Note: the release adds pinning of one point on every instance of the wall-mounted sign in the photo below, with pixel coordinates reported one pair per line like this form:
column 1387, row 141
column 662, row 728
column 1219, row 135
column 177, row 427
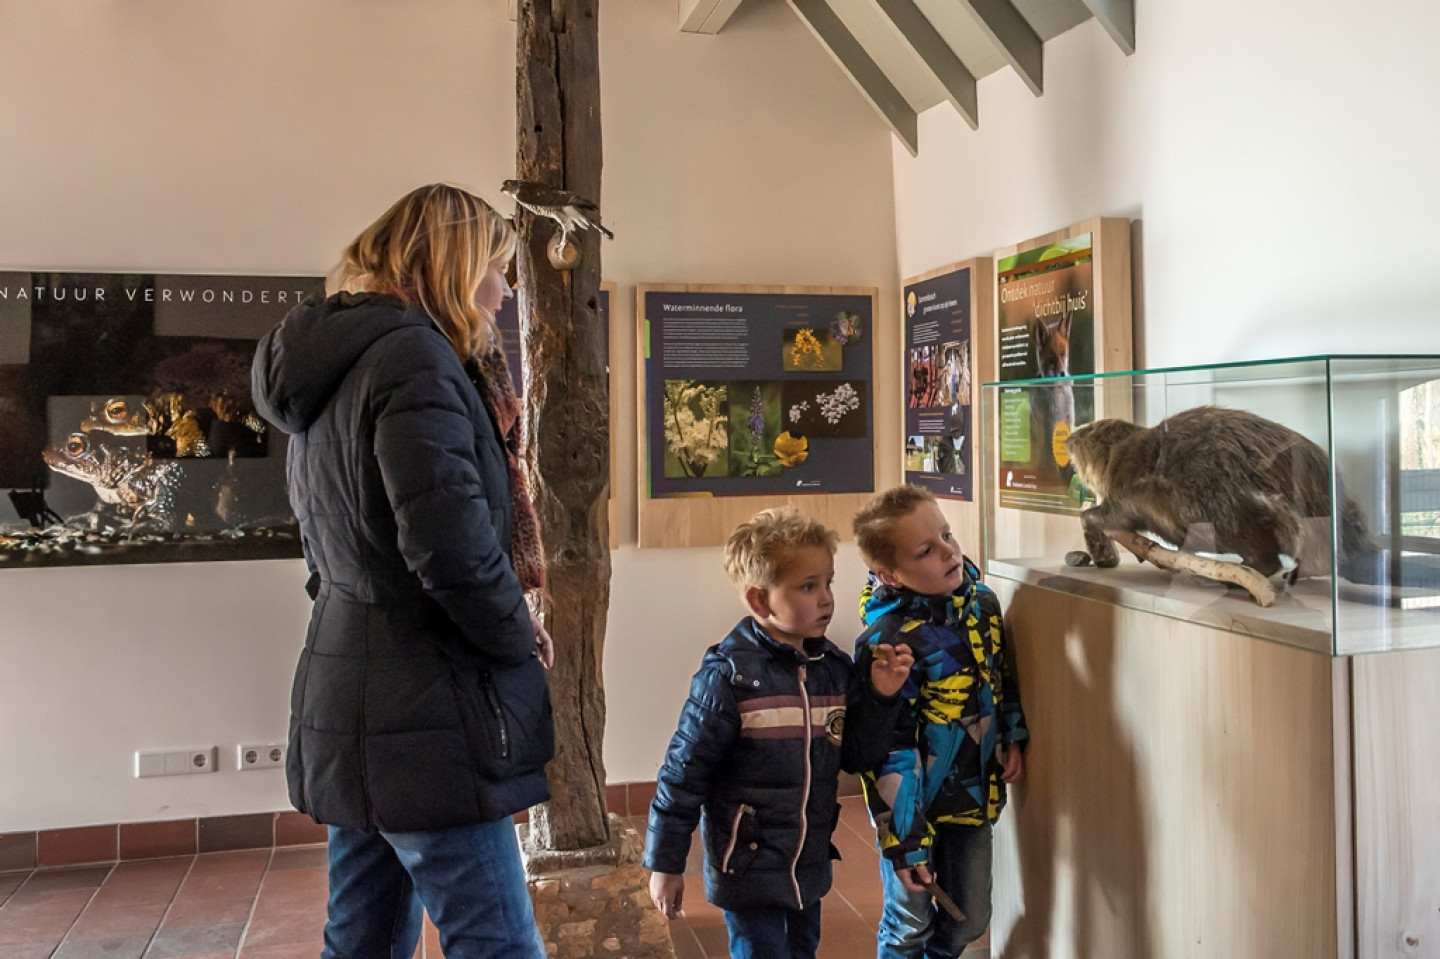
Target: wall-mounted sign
column 1062, row 305
column 752, row 392
column 507, row 321
column 127, row 431
column 938, row 369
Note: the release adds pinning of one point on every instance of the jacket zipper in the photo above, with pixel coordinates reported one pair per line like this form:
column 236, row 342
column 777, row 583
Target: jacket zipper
column 805, row 790
column 489, row 683
column 734, row 834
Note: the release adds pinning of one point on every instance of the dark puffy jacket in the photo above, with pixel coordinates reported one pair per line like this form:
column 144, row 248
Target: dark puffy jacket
column 761, row 774
column 419, row 702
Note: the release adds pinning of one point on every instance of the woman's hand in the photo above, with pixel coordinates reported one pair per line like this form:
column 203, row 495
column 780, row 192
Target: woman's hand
column 667, row 891
column 544, row 645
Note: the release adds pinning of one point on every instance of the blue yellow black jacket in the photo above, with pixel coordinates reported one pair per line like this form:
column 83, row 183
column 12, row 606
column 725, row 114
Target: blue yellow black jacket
column 962, row 701
column 756, row 760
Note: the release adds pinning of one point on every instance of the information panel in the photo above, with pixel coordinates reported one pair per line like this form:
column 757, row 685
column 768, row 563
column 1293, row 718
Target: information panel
column 129, row 433
column 938, row 384
column 1045, row 304
column 757, row 393
column 507, row 321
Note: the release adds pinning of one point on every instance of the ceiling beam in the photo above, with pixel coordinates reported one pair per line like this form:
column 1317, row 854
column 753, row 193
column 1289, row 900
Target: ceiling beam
column 866, row 74
column 1014, row 39
column 1118, row 19
column 939, row 59
column 706, row 16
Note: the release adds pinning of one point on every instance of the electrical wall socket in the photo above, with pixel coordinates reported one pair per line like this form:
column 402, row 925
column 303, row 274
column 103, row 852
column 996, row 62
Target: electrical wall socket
column 260, row 755
column 174, row 762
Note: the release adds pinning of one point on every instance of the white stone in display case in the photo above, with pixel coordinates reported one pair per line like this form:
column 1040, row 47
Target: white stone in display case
column 1240, row 479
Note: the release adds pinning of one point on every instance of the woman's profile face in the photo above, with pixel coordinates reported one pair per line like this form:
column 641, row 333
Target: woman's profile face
column 493, row 289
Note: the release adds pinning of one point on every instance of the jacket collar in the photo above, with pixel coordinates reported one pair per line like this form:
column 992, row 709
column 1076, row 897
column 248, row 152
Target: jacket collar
column 877, row 599
column 750, row 633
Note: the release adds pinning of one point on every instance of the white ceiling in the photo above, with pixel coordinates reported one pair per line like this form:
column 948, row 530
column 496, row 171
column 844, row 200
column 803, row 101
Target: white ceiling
column 906, row 56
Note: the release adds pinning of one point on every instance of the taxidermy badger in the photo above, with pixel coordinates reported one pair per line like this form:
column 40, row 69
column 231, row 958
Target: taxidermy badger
column 1221, row 481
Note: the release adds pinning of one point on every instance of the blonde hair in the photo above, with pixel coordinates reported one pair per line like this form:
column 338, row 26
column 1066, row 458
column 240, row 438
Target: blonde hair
column 874, row 525
column 758, row 549
column 432, row 248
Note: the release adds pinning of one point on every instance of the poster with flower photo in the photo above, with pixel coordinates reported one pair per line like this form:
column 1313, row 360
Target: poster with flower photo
column 750, row 393
column 938, row 370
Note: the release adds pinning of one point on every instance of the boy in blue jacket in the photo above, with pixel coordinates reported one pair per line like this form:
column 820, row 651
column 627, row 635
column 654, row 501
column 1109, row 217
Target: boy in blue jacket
column 761, row 741
column 935, row 798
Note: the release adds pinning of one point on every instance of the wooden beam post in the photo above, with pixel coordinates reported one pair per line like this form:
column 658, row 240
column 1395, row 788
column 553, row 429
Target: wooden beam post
column 1012, row 36
column 1118, row 19
column 864, row 71
column 567, row 402
column 939, row 58
column 706, row 16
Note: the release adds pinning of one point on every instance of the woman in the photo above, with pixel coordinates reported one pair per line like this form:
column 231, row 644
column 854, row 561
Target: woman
column 420, row 716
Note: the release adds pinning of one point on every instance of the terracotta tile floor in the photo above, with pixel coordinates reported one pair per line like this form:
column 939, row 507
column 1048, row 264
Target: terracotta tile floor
column 270, row 904
column 849, row 914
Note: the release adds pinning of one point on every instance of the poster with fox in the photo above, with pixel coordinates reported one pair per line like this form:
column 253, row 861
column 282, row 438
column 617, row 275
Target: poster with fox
column 1052, row 333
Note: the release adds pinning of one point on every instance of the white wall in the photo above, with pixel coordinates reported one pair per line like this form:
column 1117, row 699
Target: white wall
column 249, row 137
column 1280, row 158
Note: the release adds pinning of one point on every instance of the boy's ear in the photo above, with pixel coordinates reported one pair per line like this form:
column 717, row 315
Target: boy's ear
column 758, row 600
column 888, row 577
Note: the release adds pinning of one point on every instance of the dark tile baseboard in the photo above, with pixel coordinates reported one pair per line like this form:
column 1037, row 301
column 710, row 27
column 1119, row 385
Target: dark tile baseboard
column 186, row 837
column 155, row 840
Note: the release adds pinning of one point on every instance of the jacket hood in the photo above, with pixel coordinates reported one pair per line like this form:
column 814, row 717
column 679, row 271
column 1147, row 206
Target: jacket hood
column 300, row 364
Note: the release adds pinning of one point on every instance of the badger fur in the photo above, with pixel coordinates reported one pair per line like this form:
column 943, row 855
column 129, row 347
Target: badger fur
column 1223, row 481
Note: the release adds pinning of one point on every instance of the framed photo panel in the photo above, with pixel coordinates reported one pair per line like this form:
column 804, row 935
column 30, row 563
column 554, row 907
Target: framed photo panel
column 129, row 434
column 947, row 318
column 508, row 320
column 752, row 396
column 1062, row 308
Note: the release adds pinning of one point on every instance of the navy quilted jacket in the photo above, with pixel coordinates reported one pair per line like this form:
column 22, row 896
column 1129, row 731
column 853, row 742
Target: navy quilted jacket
column 418, row 703
column 756, row 760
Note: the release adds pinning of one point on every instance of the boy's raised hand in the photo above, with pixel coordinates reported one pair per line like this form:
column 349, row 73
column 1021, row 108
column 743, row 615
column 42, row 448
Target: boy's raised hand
column 890, row 668
column 667, row 890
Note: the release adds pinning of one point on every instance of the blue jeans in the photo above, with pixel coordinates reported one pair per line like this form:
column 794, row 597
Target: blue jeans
column 469, row 878
column 771, row 932
column 912, row 926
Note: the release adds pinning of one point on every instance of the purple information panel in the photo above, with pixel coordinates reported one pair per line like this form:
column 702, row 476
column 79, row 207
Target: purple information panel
column 507, row 320
column 938, row 385
column 754, row 393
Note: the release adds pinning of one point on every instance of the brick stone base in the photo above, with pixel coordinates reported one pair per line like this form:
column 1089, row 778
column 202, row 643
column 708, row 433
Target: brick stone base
column 596, row 902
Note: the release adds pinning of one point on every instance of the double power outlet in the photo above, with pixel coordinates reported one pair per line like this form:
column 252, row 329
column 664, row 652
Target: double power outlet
column 205, row 759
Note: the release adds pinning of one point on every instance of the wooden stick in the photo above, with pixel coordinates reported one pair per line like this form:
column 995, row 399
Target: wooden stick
column 1147, row 550
column 944, row 901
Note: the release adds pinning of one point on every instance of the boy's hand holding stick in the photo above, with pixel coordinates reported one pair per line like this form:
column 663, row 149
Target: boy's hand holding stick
column 919, row 879
column 890, row 667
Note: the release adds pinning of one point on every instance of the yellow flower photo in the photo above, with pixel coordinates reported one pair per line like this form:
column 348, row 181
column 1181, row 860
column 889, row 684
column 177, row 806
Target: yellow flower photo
column 792, row 450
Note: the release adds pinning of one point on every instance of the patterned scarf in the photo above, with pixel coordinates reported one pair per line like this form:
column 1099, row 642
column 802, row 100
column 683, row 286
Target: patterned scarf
column 498, row 392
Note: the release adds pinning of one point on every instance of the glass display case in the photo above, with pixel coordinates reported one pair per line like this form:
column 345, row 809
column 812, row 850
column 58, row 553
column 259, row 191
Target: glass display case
column 1225, row 478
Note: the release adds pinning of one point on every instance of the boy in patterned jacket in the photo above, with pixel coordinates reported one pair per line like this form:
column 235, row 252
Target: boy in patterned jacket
column 935, row 798
column 761, row 741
